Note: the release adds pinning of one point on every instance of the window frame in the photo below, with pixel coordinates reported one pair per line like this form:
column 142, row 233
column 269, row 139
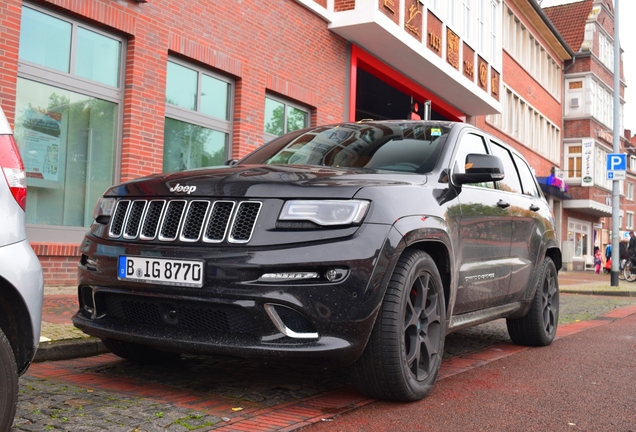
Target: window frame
column 69, row 81
column 286, row 103
column 196, row 117
column 574, row 157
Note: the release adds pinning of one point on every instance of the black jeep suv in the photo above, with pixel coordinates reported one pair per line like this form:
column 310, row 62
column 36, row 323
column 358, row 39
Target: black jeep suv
column 358, row 244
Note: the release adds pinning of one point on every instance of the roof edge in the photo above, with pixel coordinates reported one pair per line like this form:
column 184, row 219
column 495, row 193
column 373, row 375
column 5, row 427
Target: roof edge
column 556, row 41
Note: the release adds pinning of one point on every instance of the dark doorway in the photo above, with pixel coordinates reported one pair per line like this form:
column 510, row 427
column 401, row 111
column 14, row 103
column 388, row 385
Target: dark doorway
column 378, row 100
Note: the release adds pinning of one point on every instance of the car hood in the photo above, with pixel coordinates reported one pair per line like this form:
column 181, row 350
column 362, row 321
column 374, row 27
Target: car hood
column 264, row 181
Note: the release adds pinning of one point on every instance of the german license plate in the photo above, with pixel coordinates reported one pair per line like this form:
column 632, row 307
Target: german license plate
column 161, row 271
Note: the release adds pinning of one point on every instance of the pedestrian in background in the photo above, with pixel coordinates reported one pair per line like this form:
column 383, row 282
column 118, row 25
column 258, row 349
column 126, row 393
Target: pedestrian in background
column 597, row 261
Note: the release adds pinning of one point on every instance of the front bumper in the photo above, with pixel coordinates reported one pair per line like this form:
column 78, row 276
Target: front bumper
column 235, row 313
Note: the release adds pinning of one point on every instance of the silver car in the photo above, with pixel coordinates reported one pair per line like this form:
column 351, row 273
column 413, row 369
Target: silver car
column 21, row 280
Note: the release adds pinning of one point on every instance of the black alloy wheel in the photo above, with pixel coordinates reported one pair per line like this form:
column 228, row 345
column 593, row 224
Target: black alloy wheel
column 538, row 327
column 404, row 353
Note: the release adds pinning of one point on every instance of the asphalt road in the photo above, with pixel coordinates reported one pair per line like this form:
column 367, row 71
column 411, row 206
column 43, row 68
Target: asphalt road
column 569, row 382
column 584, row 382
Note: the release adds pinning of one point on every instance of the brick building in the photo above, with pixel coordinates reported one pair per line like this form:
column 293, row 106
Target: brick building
column 103, row 91
column 588, row 28
column 534, row 57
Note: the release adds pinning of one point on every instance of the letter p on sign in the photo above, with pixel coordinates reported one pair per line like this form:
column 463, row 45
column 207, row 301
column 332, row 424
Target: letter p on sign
column 616, row 162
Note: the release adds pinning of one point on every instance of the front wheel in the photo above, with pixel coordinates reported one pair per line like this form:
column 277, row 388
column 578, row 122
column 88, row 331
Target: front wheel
column 538, row 327
column 8, row 384
column 404, row 353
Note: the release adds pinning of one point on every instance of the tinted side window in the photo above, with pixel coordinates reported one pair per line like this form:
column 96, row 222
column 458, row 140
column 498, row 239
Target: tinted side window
column 470, row 143
column 528, row 182
column 511, row 182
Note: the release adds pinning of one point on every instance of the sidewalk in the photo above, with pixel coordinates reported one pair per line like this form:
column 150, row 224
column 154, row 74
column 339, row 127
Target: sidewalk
column 61, row 340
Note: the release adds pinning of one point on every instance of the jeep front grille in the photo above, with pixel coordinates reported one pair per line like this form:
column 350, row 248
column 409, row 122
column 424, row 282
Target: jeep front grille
column 185, row 220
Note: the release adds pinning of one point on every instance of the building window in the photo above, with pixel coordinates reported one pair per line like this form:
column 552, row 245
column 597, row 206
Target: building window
column 481, row 26
column 629, row 222
column 574, row 161
column 494, row 29
column 452, row 13
column 606, row 51
column 528, row 52
column 68, row 102
column 630, row 191
column 198, row 117
column 436, row 7
column 467, row 19
column 600, row 169
column 522, row 122
column 282, row 117
column 602, row 104
column 579, row 235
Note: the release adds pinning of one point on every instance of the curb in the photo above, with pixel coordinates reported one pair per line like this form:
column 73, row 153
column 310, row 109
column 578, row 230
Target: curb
column 69, row 349
column 609, row 293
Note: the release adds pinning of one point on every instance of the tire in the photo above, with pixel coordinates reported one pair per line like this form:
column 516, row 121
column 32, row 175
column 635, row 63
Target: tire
column 538, row 327
column 629, row 272
column 138, row 353
column 8, row 384
column 405, row 350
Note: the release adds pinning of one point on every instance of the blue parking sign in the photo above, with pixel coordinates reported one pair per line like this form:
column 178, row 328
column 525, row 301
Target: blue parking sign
column 616, row 162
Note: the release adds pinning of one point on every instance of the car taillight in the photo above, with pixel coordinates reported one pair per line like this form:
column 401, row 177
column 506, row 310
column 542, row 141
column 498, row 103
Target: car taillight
column 13, row 169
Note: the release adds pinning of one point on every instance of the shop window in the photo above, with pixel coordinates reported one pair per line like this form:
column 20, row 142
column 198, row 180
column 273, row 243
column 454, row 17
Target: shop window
column 68, row 106
column 282, row 117
column 52, row 42
column 198, row 112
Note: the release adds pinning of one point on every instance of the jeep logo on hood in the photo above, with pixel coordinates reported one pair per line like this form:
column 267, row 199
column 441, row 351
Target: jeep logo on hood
column 186, row 189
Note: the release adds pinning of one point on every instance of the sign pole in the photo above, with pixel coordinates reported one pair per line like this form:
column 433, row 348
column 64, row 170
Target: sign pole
column 616, row 149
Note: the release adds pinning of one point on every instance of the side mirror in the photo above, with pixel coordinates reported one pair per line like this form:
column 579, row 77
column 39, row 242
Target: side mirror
column 480, row 168
column 230, row 162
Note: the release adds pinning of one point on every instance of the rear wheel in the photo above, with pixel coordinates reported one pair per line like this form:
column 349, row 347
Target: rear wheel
column 621, row 273
column 404, row 353
column 8, row 384
column 137, row 352
column 629, row 272
column 538, row 327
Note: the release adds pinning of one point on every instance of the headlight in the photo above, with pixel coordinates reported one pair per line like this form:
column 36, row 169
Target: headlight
column 327, row 212
column 104, row 207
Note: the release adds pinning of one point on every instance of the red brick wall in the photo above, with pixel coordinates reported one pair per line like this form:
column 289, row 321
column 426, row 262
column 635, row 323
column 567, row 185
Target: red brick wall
column 344, row 5
column 243, row 40
column 301, row 60
column 10, row 12
column 59, row 263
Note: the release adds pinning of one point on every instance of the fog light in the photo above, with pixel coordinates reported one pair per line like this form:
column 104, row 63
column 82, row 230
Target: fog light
column 288, row 276
column 331, row 275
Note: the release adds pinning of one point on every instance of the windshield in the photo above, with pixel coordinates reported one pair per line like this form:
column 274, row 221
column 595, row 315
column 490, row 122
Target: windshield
column 405, row 147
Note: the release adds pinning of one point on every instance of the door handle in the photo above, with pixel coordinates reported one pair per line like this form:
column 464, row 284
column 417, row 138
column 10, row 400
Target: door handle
column 534, row 207
column 503, row 204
